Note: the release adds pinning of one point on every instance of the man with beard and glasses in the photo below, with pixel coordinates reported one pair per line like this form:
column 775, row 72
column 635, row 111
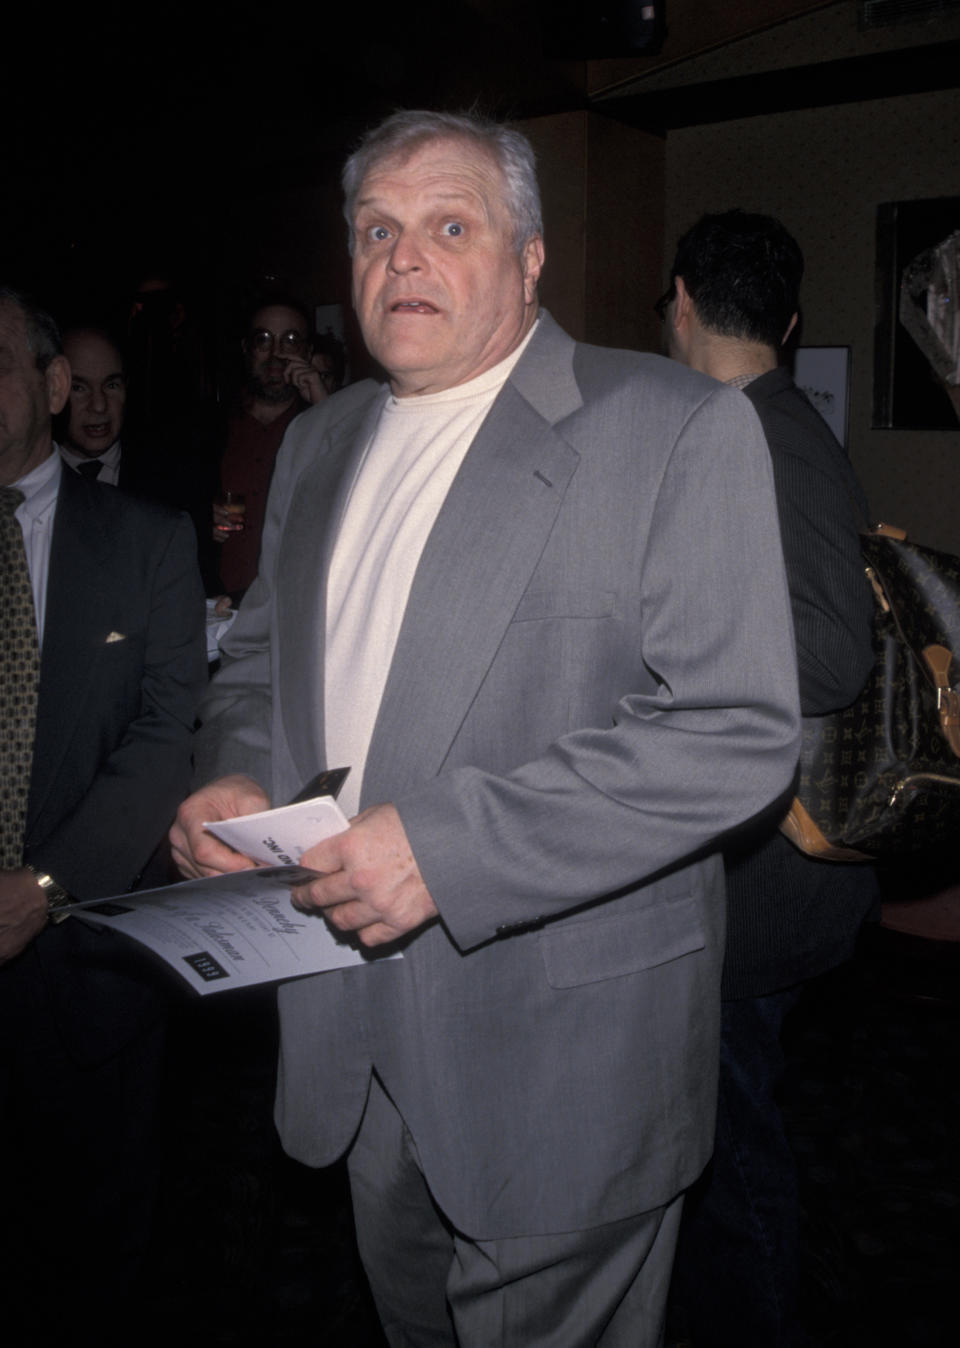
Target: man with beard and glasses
column 279, row 382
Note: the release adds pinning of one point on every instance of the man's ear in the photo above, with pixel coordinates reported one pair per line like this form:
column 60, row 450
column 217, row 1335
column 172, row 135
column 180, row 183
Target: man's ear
column 532, row 264
column 57, row 378
column 790, row 327
column 683, row 304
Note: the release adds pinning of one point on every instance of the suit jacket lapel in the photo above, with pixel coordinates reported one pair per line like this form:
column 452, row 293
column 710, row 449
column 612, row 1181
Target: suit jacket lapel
column 477, row 563
column 76, row 625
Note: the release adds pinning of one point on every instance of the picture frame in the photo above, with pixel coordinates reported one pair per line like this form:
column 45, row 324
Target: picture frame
column 907, row 392
column 823, row 374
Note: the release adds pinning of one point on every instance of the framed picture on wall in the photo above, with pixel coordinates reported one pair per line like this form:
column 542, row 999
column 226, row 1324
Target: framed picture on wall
column 917, row 340
column 823, row 372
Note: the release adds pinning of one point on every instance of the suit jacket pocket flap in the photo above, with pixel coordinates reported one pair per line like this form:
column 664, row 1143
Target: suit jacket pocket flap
column 611, row 947
column 564, row 603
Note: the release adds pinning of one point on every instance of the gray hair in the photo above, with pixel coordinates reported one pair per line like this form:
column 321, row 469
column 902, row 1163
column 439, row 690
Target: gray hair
column 43, row 335
column 404, row 132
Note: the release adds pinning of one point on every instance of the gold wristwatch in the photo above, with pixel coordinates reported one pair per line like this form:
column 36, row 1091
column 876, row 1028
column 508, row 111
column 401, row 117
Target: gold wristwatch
column 57, row 896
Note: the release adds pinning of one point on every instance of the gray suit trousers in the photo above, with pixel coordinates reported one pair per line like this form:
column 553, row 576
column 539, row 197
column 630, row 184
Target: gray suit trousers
column 436, row 1288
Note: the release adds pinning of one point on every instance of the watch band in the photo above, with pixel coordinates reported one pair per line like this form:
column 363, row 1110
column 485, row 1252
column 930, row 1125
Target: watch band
column 57, row 896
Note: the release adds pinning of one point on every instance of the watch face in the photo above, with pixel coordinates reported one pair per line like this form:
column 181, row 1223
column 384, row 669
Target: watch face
column 57, row 896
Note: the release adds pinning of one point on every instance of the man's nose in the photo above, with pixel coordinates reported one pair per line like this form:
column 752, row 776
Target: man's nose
column 98, row 399
column 406, row 254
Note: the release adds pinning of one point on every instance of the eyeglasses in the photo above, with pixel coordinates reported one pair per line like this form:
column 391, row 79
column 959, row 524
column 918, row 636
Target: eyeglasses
column 289, row 343
column 664, row 302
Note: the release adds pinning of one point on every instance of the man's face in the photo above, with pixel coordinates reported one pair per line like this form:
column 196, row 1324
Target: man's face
column 276, row 333
column 28, row 398
column 439, row 288
column 98, row 393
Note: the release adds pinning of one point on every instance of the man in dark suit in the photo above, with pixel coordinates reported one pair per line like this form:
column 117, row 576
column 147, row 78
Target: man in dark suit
column 175, row 468
column 107, row 687
column 732, row 304
column 512, row 589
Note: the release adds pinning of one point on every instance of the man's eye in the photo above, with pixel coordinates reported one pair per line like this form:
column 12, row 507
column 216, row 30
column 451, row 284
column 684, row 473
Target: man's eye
column 453, row 229
column 377, row 233
column 77, row 388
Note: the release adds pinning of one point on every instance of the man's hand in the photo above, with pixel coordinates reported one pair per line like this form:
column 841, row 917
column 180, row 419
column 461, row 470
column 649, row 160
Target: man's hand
column 197, row 852
column 225, row 522
column 306, row 379
column 23, row 911
column 372, row 884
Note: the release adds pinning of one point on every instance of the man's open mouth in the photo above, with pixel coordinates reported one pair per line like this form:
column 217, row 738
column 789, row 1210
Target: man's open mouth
column 413, row 306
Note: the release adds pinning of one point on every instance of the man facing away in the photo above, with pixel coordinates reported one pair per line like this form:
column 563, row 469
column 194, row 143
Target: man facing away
column 102, row 666
column 733, row 302
column 518, row 589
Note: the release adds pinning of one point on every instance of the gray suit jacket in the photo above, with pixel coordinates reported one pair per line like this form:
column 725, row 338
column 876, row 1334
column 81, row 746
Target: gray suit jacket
column 594, row 681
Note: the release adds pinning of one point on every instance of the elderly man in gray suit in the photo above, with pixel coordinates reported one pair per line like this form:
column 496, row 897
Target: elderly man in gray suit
column 533, row 592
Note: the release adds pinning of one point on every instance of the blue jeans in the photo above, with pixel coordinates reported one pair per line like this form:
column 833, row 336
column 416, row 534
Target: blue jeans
column 735, row 1275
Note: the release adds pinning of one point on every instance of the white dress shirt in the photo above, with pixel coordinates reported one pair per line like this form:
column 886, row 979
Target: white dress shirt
column 109, row 462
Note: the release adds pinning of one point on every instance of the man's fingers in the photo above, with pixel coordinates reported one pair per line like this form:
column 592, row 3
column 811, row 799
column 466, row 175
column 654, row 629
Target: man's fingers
column 354, row 916
column 334, row 889
column 351, row 916
column 309, row 387
column 306, row 380
column 198, row 853
column 207, row 856
column 326, row 856
column 378, row 934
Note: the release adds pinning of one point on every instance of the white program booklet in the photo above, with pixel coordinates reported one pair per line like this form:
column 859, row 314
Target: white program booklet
column 282, row 836
column 240, row 929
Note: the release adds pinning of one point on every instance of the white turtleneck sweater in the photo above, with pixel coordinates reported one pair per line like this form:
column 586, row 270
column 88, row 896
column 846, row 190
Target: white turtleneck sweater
column 403, row 479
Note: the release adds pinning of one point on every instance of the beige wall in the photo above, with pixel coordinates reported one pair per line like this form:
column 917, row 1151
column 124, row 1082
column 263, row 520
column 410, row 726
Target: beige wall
column 824, row 172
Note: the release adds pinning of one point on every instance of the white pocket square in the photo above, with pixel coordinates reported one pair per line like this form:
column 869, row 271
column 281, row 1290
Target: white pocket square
column 116, row 636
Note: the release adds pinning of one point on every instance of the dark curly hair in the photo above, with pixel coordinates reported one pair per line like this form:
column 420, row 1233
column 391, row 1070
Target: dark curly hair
column 743, row 274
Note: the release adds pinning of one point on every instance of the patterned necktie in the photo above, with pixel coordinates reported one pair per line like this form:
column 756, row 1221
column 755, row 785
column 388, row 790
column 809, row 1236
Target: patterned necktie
column 19, row 680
